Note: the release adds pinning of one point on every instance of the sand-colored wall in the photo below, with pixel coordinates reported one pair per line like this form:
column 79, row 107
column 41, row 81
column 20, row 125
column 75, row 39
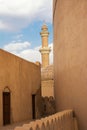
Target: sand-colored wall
column 23, row 79
column 45, row 59
column 70, row 57
column 47, row 88
column 53, row 122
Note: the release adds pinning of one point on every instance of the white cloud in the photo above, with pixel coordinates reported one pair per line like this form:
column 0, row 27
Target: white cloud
column 31, row 55
column 16, row 46
column 23, row 50
column 3, row 26
column 19, row 36
column 17, row 14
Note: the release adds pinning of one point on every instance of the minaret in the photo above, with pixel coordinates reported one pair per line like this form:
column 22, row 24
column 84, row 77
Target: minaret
column 45, row 50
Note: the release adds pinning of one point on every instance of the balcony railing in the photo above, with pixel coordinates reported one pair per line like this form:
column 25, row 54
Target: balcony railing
column 60, row 121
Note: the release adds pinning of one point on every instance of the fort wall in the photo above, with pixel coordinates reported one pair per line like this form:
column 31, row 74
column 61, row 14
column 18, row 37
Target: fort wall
column 22, row 78
column 70, row 57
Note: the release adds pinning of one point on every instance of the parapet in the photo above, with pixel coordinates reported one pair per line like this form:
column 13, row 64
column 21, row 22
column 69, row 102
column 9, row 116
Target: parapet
column 60, row 121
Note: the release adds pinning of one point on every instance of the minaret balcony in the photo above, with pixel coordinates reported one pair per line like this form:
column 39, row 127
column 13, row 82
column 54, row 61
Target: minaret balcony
column 45, row 50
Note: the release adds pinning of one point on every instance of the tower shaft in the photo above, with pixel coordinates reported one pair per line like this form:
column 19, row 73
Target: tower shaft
column 45, row 50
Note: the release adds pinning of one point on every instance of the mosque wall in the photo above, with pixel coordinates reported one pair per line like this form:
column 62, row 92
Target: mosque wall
column 47, row 88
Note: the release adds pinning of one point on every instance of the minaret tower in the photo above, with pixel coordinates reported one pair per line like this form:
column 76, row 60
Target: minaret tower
column 45, row 50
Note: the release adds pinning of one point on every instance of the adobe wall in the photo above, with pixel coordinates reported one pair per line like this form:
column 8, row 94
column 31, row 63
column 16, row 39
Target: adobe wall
column 59, row 121
column 70, row 57
column 23, row 79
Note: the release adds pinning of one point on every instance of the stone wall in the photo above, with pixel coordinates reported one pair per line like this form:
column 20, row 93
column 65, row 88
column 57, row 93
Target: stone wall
column 70, row 57
column 48, row 106
column 47, row 88
column 47, row 81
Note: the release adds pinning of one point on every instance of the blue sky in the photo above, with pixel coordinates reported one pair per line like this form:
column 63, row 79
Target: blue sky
column 20, row 26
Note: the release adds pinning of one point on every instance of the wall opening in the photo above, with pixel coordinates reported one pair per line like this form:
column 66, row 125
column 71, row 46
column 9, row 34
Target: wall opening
column 33, row 106
column 6, row 107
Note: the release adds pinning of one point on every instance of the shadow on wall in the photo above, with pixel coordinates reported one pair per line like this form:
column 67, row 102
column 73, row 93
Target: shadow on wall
column 48, row 106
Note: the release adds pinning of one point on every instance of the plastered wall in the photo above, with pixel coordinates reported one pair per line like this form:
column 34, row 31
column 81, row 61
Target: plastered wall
column 60, row 121
column 23, row 79
column 70, row 57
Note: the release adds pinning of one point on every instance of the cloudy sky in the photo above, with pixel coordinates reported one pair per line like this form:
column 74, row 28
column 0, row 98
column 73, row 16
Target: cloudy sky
column 20, row 26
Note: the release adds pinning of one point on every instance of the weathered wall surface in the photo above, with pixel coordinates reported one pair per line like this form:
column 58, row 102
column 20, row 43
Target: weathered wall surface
column 23, row 79
column 47, row 88
column 70, row 57
column 47, row 81
column 48, row 106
